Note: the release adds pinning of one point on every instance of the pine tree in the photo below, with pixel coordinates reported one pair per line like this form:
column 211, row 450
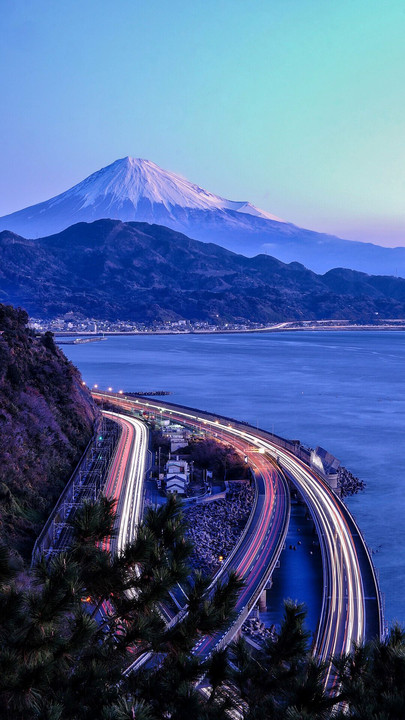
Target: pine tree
column 68, row 641
column 88, row 615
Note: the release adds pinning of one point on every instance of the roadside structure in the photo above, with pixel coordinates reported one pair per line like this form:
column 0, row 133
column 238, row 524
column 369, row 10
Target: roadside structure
column 177, row 476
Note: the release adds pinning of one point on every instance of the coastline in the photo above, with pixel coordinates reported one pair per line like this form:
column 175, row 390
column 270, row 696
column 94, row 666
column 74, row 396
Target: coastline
column 396, row 326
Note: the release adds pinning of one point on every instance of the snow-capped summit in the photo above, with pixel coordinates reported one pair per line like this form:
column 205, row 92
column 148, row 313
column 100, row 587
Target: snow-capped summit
column 132, row 189
column 128, row 189
column 137, row 180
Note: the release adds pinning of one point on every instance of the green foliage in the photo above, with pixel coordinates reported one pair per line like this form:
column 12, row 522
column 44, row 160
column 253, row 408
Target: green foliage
column 373, row 679
column 221, row 459
column 283, row 677
column 87, row 615
column 64, row 658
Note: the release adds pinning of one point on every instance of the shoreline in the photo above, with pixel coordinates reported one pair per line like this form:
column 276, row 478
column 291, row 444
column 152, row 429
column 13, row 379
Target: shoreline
column 398, row 327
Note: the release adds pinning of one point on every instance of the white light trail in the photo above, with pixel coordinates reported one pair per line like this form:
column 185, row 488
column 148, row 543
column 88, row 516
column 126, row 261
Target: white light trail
column 343, row 609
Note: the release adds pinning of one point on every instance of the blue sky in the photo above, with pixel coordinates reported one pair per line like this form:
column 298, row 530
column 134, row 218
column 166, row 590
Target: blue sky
column 295, row 105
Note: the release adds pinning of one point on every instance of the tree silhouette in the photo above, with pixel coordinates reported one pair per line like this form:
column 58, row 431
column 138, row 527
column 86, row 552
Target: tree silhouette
column 68, row 639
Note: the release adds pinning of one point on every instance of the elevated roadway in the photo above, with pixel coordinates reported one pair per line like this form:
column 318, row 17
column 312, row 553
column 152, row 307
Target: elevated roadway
column 258, row 552
column 259, row 548
column 351, row 607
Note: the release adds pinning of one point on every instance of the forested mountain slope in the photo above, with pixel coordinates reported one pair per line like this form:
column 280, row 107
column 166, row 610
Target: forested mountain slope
column 46, row 420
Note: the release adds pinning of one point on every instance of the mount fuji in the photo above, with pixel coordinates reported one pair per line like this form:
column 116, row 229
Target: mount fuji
column 139, row 190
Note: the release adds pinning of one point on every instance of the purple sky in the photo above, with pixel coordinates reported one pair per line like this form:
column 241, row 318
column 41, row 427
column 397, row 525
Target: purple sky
column 295, row 106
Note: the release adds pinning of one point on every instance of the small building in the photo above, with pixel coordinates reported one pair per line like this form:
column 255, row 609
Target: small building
column 173, row 431
column 177, row 443
column 174, row 466
column 176, row 484
column 177, row 476
column 326, row 465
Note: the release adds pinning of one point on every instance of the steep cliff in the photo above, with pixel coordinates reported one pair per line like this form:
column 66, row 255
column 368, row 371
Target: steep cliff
column 46, row 419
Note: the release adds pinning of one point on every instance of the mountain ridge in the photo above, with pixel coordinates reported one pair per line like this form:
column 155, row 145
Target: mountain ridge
column 134, row 179
column 149, row 273
column 137, row 190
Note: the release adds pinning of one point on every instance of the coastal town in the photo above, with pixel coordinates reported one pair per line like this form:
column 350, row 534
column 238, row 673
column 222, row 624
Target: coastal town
column 71, row 324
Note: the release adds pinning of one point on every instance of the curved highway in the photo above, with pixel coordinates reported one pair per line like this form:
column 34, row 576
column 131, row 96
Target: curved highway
column 125, row 479
column 351, row 610
column 260, row 546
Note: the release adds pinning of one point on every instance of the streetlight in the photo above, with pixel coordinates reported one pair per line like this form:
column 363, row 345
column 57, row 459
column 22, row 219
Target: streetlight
column 110, row 389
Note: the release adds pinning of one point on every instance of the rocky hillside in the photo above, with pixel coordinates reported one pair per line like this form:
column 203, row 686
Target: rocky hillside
column 134, row 271
column 46, row 420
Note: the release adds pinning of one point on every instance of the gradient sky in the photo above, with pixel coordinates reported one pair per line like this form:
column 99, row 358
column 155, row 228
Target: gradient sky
column 295, row 105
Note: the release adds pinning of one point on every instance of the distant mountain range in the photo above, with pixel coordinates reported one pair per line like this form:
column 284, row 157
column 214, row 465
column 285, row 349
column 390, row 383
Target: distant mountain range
column 114, row 270
column 138, row 190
